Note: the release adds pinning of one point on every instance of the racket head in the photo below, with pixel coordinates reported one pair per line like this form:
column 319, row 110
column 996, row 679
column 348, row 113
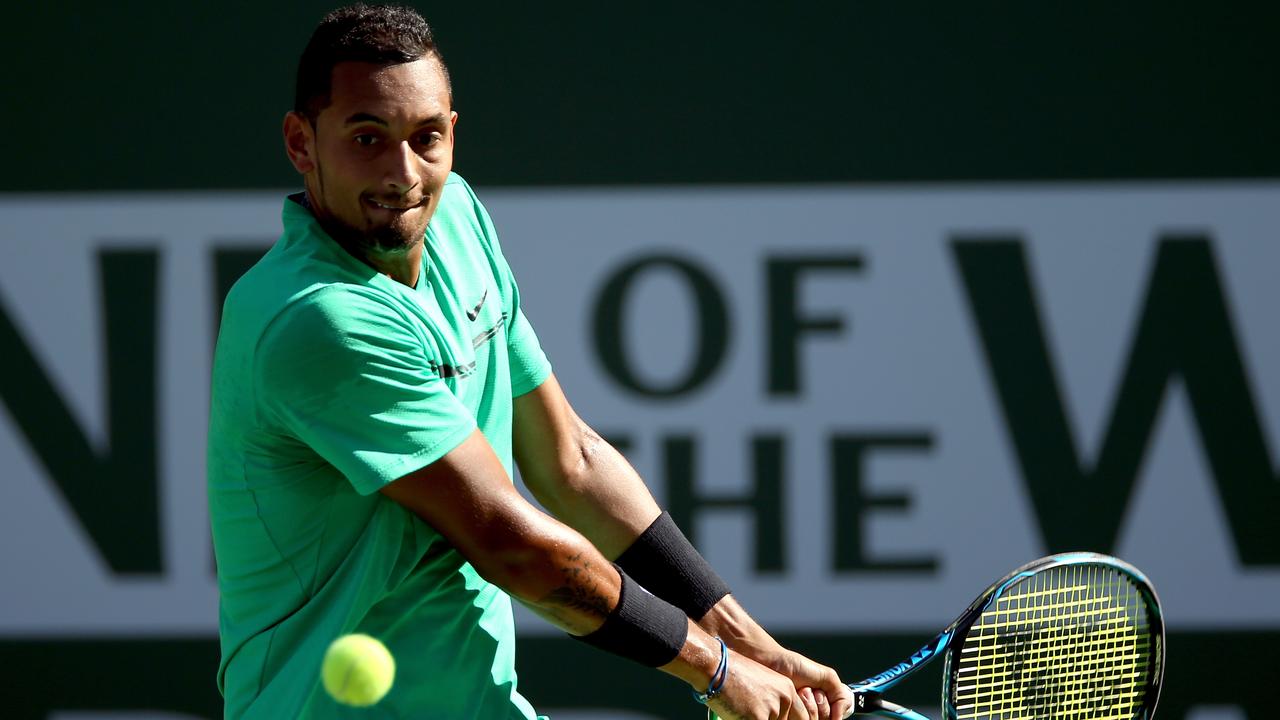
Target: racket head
column 1074, row 635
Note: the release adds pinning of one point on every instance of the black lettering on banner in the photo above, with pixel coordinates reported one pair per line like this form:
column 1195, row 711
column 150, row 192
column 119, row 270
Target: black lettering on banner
column 852, row 503
column 1184, row 333
column 786, row 324
column 763, row 502
column 712, row 340
column 112, row 491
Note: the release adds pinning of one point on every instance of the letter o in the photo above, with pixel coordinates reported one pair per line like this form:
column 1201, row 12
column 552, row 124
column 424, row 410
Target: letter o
column 713, row 320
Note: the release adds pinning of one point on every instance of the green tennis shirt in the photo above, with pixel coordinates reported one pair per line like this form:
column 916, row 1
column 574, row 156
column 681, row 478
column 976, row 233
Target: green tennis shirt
column 330, row 381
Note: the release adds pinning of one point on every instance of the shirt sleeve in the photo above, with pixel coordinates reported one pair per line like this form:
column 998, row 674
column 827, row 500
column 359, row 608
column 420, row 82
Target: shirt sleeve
column 348, row 375
column 529, row 365
column 528, row 362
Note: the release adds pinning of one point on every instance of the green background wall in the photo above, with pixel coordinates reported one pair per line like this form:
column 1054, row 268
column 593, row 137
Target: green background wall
column 103, row 96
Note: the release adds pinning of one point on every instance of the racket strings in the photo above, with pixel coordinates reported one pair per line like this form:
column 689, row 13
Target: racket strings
column 1070, row 642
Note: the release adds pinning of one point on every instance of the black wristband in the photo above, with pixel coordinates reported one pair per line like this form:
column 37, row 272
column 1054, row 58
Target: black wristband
column 664, row 561
column 641, row 627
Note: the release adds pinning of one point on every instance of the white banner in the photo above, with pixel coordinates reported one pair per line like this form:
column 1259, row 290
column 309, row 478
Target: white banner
column 848, row 349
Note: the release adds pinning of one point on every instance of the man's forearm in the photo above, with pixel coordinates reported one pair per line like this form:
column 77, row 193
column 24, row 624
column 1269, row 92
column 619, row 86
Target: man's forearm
column 607, row 501
column 600, row 495
column 588, row 590
column 593, row 604
column 730, row 621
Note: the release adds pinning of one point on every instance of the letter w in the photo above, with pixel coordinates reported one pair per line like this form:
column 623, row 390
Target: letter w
column 1185, row 331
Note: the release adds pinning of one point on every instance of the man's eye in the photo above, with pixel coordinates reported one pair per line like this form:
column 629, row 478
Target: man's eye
column 366, row 140
column 429, row 139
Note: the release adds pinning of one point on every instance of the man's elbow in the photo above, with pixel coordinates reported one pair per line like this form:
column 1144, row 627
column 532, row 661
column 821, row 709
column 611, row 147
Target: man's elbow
column 570, row 474
column 579, row 463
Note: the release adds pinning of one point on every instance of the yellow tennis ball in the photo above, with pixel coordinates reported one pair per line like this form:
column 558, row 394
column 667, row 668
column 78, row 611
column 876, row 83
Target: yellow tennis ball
column 358, row 670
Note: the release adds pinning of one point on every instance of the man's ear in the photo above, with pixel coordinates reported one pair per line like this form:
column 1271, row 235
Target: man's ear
column 300, row 142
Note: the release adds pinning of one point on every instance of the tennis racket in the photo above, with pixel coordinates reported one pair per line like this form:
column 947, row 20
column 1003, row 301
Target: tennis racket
column 1067, row 637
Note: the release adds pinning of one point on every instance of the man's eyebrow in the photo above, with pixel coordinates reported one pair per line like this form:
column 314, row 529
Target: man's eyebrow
column 363, row 117
column 437, row 119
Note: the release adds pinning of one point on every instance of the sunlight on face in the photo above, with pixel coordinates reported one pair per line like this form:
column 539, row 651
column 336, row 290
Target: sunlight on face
column 383, row 150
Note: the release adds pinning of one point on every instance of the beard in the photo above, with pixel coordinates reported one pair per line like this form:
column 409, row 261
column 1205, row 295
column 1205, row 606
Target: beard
column 394, row 238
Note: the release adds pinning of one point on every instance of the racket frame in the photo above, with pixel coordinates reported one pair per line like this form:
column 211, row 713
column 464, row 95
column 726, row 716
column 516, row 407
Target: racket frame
column 867, row 694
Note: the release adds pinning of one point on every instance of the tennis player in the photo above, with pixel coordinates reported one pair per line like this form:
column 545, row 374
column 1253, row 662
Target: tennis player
column 374, row 378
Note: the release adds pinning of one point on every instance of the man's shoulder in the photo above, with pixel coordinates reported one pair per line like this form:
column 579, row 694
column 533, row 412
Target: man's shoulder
column 295, row 270
column 333, row 326
column 455, row 183
column 267, row 287
column 458, row 198
column 462, row 219
column 281, row 294
column 338, row 309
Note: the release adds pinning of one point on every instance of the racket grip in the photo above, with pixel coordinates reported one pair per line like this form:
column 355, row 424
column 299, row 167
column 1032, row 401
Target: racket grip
column 865, row 702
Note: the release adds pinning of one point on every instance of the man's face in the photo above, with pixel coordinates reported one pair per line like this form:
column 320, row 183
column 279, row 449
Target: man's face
column 381, row 152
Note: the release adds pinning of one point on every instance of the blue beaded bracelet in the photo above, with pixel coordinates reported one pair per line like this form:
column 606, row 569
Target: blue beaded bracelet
column 717, row 680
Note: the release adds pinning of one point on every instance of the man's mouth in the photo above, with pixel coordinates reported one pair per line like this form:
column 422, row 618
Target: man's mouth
column 397, row 207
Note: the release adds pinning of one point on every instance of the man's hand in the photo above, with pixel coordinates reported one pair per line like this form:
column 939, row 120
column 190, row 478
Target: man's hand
column 828, row 698
column 754, row 692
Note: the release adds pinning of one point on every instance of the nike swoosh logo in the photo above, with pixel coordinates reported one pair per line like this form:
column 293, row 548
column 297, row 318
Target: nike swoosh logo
column 474, row 312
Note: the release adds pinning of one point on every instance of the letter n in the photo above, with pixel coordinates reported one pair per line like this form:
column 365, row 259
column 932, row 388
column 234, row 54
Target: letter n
column 112, row 490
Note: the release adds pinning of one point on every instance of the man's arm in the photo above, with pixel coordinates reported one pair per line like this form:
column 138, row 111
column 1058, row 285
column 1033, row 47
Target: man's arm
column 576, row 475
column 467, row 497
column 587, row 483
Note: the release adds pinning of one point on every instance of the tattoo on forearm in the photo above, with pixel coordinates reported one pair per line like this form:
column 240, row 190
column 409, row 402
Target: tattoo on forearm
column 579, row 592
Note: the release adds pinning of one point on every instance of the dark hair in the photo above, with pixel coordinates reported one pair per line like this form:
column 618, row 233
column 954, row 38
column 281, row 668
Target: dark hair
column 381, row 34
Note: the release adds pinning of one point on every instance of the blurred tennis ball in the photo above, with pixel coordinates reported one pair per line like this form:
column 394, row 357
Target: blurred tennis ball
column 358, row 670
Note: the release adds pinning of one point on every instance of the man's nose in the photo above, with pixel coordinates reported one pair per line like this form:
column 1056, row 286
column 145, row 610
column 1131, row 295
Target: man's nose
column 404, row 168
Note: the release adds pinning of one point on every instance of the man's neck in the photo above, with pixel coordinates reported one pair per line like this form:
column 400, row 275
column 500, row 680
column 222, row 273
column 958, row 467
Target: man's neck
column 403, row 266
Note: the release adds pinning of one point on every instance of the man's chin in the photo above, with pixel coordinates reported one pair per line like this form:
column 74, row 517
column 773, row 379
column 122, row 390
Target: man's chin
column 385, row 239
column 392, row 239
column 397, row 233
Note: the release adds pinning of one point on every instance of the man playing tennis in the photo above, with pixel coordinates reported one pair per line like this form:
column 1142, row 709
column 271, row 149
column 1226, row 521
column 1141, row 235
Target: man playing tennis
column 374, row 379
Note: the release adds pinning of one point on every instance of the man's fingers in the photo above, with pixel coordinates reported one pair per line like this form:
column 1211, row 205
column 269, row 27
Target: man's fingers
column 810, row 702
column 841, row 701
column 798, row 709
column 836, row 691
column 824, row 706
column 841, row 708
